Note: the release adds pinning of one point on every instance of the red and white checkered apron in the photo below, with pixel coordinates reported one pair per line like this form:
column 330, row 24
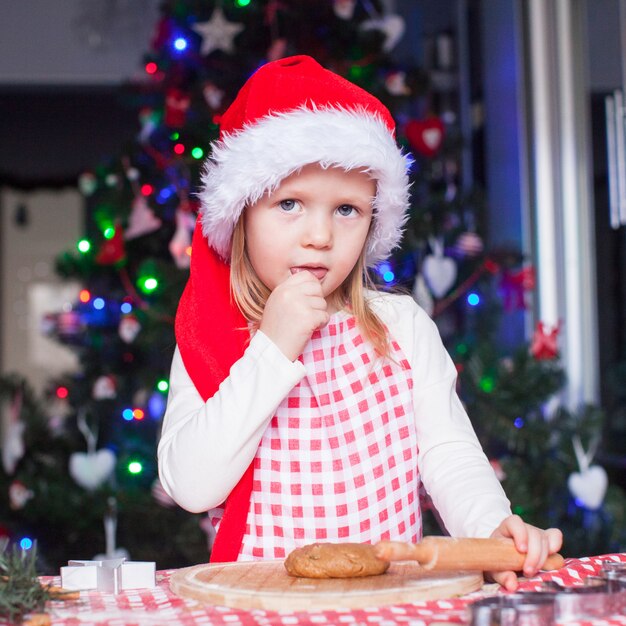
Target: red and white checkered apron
column 338, row 461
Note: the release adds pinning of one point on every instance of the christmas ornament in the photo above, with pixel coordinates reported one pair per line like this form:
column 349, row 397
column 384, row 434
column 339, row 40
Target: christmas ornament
column 90, row 469
column 19, row 495
column 12, row 432
column 149, row 120
column 468, row 245
column 129, row 328
column 111, row 180
column 344, row 9
column 392, row 26
column 395, row 83
column 132, row 173
column 87, row 183
column 543, row 345
column 68, row 324
column 57, row 410
column 180, row 243
column 176, row 107
column 590, row 484
column 104, row 388
column 425, row 136
column 422, row 295
column 218, row 33
column 112, row 250
column 160, row 495
column 438, row 271
column 213, row 95
column 514, row 285
column 142, row 220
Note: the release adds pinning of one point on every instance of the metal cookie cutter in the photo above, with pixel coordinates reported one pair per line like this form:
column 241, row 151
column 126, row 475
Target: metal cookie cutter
column 517, row 609
column 589, row 600
column 598, row 596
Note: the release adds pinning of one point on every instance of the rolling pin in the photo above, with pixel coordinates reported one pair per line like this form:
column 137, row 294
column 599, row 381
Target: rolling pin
column 450, row 553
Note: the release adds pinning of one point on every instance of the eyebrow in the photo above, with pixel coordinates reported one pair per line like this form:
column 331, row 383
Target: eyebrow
column 293, row 191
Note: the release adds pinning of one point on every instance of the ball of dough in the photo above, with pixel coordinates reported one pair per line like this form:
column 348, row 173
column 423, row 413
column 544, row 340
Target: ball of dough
column 335, row 560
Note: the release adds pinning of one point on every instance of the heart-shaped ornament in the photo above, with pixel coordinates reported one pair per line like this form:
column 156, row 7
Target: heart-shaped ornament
column 425, row 136
column 439, row 271
column 589, row 486
column 91, row 469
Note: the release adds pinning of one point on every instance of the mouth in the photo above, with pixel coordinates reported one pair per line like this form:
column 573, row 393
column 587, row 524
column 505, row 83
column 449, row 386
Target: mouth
column 319, row 271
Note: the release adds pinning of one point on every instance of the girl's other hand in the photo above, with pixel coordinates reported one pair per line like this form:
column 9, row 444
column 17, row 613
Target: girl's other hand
column 294, row 310
column 536, row 543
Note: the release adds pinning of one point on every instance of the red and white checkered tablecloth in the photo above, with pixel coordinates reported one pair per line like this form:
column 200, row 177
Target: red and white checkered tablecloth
column 160, row 606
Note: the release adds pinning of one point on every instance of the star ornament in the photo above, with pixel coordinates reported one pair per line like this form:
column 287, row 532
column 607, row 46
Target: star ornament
column 218, row 33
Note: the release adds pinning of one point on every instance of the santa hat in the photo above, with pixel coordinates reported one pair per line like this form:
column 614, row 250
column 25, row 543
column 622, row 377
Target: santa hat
column 290, row 113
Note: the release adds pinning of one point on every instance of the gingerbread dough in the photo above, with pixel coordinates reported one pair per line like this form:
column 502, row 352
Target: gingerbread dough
column 335, row 560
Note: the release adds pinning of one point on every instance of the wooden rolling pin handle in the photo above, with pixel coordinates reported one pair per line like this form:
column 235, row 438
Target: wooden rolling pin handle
column 448, row 553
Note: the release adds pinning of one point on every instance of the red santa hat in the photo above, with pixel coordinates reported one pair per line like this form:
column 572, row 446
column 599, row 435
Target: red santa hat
column 290, row 113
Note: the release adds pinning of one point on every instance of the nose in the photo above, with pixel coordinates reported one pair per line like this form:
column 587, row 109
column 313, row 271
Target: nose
column 318, row 231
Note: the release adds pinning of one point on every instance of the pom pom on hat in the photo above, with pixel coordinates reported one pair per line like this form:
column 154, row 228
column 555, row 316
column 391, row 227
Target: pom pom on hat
column 290, row 113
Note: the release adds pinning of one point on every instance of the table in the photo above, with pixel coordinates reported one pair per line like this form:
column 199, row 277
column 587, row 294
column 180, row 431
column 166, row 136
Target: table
column 158, row 606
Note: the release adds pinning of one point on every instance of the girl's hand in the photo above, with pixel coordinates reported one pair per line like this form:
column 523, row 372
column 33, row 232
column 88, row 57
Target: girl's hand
column 294, row 310
column 536, row 543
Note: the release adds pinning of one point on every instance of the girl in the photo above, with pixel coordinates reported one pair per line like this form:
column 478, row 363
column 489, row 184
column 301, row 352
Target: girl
column 304, row 407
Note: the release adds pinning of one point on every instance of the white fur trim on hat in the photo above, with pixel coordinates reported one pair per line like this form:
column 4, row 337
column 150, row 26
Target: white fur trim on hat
column 247, row 164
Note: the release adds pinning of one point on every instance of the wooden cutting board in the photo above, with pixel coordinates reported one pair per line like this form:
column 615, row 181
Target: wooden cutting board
column 266, row 585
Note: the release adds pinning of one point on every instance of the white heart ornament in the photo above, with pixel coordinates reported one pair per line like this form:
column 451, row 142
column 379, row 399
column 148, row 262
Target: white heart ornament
column 91, row 469
column 589, row 486
column 439, row 271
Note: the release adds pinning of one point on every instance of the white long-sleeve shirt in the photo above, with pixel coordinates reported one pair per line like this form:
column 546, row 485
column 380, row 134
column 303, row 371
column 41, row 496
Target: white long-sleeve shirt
column 205, row 447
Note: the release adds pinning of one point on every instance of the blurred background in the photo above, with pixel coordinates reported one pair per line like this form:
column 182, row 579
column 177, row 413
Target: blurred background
column 516, row 246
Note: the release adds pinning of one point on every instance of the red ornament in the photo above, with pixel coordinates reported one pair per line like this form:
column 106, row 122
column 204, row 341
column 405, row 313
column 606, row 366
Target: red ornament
column 425, row 136
column 128, row 330
column 543, row 345
column 176, row 106
column 514, row 284
column 19, row 495
column 112, row 250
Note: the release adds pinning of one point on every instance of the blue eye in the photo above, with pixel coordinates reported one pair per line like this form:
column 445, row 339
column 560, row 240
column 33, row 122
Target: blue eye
column 288, row 205
column 345, row 210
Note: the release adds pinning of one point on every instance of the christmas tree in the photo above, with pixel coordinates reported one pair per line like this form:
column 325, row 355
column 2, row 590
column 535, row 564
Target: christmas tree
column 79, row 464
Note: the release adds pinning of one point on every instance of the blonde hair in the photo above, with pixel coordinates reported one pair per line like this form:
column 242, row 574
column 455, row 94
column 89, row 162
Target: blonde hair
column 250, row 294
